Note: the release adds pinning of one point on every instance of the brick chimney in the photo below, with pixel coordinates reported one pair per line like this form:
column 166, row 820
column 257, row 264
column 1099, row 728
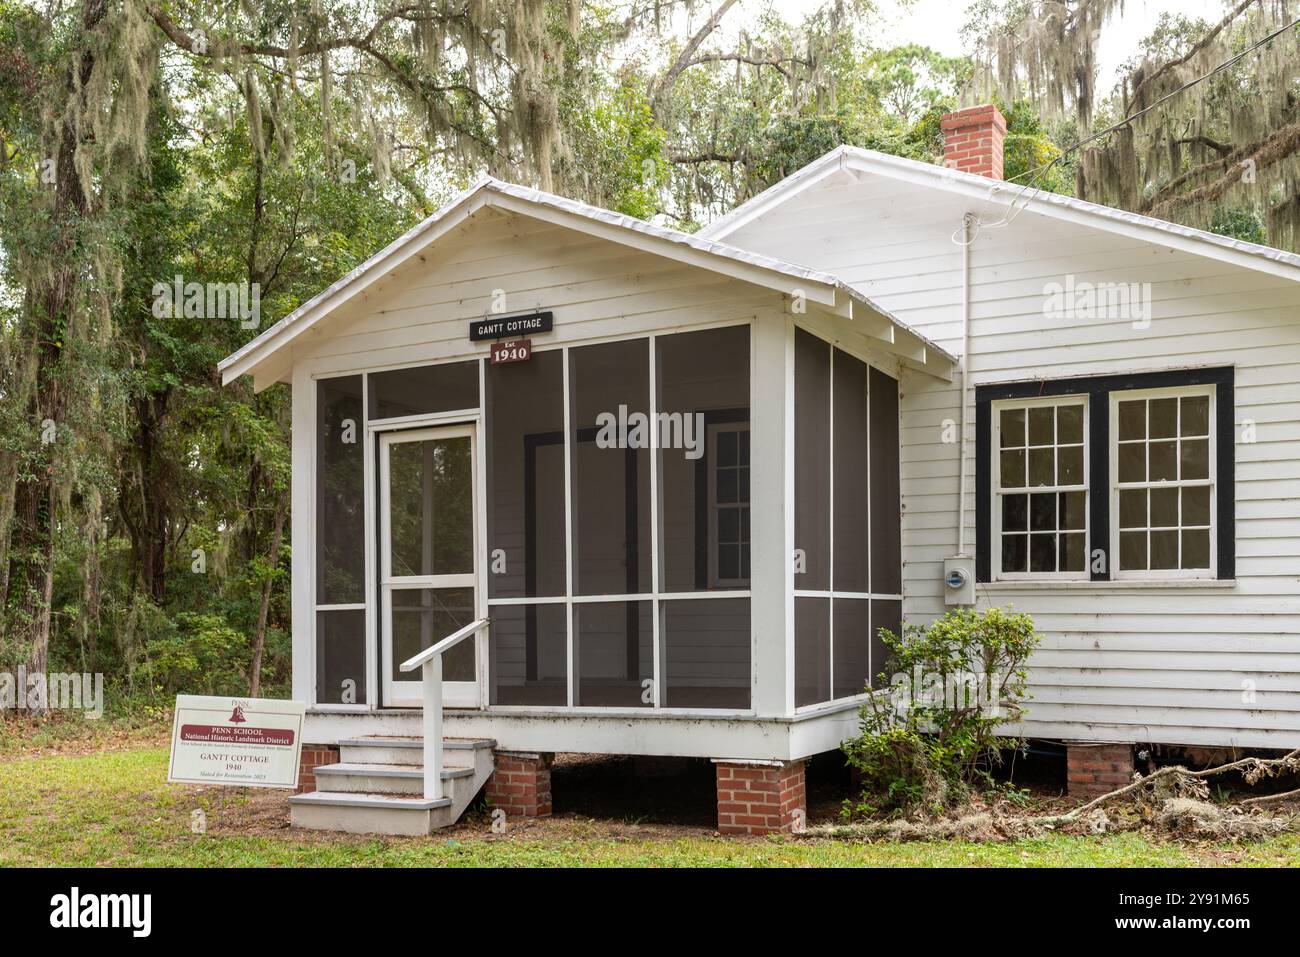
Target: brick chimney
column 972, row 140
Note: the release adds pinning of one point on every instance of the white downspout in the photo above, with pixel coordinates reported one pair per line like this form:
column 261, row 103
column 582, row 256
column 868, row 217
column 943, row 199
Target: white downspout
column 966, row 221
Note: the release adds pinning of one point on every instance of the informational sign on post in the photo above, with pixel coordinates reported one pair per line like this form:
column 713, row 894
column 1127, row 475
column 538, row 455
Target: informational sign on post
column 250, row 742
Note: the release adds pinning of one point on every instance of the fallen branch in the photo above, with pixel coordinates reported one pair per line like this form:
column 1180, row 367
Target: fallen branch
column 1012, row 827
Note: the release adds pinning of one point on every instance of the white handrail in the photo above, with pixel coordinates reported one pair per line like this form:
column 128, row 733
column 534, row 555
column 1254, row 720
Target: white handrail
column 455, row 638
column 430, row 661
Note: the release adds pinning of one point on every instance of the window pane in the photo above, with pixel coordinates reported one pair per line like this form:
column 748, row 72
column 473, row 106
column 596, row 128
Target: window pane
column 1133, row 508
column 1133, row 462
column 431, row 515
column 1015, row 513
column 1015, row 553
column 422, row 617
column 706, row 645
column 1013, row 428
column 1164, row 507
column 1196, row 548
column 1195, row 454
column 886, row 514
column 852, row 646
column 1195, row 415
column 1071, row 552
column 528, row 653
column 424, row 389
column 1162, row 418
column 1133, row 419
column 340, row 499
column 1013, row 468
column 1041, row 428
column 610, row 404
column 851, row 438
column 812, row 460
column 341, row 656
column 700, row 374
column 613, row 653
column 1164, row 549
column 1133, row 550
column 1196, row 506
column 525, row 477
column 1072, row 509
column 1164, row 464
column 1042, row 512
column 1041, row 471
column 1069, row 465
column 1069, row 424
column 1042, row 553
column 812, row 651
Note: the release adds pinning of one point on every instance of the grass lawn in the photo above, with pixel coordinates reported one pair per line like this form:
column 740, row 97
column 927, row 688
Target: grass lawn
column 115, row 807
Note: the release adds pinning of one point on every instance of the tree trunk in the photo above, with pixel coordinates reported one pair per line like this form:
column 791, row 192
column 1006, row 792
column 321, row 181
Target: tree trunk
column 31, row 551
column 259, row 634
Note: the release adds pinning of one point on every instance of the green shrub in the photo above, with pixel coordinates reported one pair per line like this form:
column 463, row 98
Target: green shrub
column 932, row 734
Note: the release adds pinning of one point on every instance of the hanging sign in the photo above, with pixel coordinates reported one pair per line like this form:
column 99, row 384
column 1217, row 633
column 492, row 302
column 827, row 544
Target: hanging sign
column 251, row 742
column 514, row 350
column 511, row 327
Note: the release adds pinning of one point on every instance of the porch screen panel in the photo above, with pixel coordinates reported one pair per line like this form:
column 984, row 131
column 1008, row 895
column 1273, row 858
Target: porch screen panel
column 613, row 654
column 528, row 655
column 852, row 618
column 609, row 404
column 341, row 656
column 525, row 477
column 340, row 542
column 423, row 389
column 886, row 516
column 706, row 653
column 703, row 408
column 812, row 462
column 884, row 614
column 812, row 651
column 852, row 529
column 340, row 498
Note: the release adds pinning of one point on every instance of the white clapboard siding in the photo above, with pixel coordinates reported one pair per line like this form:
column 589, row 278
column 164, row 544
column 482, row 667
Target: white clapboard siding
column 1198, row 664
column 597, row 289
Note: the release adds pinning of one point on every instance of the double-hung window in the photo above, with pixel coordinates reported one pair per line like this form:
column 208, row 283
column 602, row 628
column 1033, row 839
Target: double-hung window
column 1106, row 477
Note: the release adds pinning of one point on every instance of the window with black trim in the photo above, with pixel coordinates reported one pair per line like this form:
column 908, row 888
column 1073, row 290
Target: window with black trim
column 1106, row 477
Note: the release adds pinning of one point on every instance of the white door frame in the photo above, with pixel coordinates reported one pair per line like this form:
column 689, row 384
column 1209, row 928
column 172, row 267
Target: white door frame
column 407, row 693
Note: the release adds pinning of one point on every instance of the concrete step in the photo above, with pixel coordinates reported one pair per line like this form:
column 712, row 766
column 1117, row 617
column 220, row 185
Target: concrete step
column 370, row 813
column 377, row 749
column 370, row 778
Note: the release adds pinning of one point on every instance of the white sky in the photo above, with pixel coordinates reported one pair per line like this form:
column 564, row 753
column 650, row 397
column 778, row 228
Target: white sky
column 937, row 24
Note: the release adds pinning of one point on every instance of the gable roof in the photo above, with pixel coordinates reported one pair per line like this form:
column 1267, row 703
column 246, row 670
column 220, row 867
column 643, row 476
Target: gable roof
column 823, row 289
column 981, row 189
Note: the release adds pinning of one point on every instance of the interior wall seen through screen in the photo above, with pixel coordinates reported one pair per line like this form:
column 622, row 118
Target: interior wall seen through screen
column 528, row 655
column 706, row 653
column 703, row 386
column 525, row 477
column 610, row 402
column 613, row 654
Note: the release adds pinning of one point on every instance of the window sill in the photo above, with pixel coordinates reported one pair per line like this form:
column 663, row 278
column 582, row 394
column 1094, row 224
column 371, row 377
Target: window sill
column 1123, row 583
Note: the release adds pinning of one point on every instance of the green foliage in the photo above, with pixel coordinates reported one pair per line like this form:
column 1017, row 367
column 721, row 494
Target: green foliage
column 199, row 655
column 1239, row 222
column 932, row 735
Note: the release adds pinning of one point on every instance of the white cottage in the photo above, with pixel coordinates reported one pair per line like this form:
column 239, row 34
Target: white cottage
column 567, row 481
